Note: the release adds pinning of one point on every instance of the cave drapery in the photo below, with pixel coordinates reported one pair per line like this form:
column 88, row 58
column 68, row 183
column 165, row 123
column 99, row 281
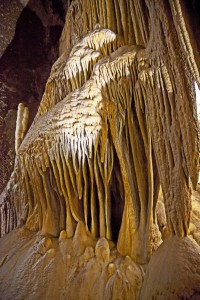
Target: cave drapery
column 117, row 120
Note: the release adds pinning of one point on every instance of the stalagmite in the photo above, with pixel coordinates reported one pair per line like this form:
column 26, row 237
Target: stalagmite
column 21, row 124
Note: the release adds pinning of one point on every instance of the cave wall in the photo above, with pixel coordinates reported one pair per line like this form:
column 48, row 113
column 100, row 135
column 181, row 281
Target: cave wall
column 29, row 47
column 10, row 11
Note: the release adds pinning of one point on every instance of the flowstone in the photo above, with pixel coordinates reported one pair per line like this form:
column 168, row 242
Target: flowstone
column 116, row 125
column 84, row 156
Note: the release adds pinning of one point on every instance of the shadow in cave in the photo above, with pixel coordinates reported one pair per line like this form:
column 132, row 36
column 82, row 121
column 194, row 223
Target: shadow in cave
column 24, row 69
column 117, row 199
column 26, row 64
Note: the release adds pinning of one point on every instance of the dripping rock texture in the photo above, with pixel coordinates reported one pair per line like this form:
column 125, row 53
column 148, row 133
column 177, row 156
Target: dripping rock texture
column 101, row 198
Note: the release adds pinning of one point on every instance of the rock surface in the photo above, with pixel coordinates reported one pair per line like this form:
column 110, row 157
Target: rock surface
column 29, row 46
column 10, row 11
column 52, row 269
column 116, row 121
column 177, row 276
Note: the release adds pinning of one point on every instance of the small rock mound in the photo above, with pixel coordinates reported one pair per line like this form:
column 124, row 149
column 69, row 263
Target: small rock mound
column 174, row 271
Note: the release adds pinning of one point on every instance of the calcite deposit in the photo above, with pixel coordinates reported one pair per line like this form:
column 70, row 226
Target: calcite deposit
column 99, row 201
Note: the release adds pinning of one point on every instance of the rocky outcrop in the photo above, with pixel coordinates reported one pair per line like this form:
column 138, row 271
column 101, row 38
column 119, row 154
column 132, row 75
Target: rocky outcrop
column 177, row 271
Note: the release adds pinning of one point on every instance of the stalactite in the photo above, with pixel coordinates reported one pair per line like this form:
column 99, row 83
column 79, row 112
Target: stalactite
column 72, row 147
column 119, row 16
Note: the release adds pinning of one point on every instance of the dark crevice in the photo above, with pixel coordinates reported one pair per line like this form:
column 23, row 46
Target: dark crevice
column 117, row 199
column 26, row 64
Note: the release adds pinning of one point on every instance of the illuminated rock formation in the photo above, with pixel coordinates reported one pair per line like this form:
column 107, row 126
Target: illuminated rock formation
column 88, row 137
column 21, row 125
column 116, row 120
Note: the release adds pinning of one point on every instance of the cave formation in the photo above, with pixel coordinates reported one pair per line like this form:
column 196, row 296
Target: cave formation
column 103, row 200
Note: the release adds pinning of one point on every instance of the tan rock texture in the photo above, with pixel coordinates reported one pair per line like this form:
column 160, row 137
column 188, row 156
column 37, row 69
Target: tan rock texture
column 177, row 273
column 75, row 146
column 39, row 267
column 117, row 120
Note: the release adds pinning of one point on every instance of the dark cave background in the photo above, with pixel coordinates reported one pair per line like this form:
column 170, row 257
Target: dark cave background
column 25, row 67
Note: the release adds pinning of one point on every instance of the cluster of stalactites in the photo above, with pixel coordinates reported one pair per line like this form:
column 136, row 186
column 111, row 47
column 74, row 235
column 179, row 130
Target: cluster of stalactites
column 75, row 154
column 172, row 139
column 106, row 121
column 74, row 69
column 129, row 19
column 100, row 136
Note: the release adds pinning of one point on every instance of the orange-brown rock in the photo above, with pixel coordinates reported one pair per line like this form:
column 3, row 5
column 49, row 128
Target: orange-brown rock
column 117, row 122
